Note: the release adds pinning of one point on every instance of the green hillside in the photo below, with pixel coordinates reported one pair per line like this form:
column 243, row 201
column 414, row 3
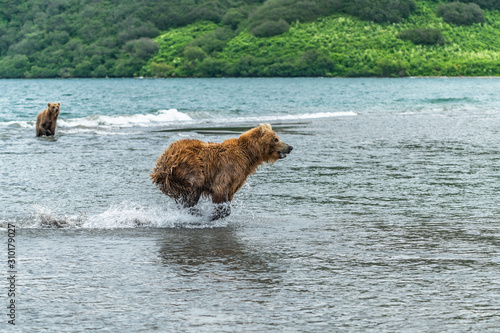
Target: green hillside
column 252, row 38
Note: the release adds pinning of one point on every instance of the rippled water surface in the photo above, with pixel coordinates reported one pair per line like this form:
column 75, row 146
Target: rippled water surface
column 384, row 218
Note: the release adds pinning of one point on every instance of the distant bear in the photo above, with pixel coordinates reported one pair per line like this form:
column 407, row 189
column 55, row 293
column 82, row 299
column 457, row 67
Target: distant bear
column 47, row 119
column 191, row 168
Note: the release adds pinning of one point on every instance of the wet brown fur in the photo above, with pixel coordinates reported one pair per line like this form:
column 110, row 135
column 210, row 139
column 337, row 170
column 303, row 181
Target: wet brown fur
column 47, row 120
column 191, row 168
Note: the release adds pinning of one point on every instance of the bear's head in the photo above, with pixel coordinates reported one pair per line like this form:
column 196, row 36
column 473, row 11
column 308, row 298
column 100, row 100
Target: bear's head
column 54, row 108
column 266, row 143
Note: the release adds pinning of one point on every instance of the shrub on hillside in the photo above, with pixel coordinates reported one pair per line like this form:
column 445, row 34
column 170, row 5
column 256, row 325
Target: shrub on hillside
column 142, row 48
column 291, row 11
column 135, row 29
column 314, row 63
column 485, row 4
column 381, row 11
column 14, row 66
column 212, row 67
column 246, row 66
column 460, row 13
column 233, row 17
column 37, row 72
column 161, row 69
column 211, row 11
column 214, row 41
column 428, row 36
column 391, row 68
column 193, row 53
column 270, row 28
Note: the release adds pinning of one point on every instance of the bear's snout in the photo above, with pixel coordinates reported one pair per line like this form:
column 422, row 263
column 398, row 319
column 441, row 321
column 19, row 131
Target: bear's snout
column 285, row 149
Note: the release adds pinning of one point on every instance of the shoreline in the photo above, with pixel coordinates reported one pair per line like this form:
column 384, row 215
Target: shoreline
column 256, row 77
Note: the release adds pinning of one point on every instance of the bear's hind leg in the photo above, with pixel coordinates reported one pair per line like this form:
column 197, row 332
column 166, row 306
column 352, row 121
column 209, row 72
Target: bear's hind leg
column 40, row 131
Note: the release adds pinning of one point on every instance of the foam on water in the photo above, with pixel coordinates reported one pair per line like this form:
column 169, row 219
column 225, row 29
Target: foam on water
column 18, row 124
column 164, row 117
column 116, row 121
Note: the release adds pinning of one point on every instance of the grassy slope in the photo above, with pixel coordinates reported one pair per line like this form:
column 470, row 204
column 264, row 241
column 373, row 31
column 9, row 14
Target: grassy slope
column 357, row 48
column 169, row 61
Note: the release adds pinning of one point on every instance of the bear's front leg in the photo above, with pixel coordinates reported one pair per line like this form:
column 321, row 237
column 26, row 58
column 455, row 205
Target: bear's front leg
column 222, row 205
column 221, row 210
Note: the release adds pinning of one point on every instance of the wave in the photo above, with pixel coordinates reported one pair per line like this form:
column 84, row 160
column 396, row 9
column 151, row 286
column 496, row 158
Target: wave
column 450, row 100
column 116, row 121
column 162, row 116
column 165, row 117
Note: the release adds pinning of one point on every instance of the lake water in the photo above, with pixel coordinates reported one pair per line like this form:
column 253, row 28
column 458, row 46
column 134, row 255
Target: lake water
column 384, row 218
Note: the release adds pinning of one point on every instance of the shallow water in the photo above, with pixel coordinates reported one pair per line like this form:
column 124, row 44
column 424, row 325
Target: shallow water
column 383, row 218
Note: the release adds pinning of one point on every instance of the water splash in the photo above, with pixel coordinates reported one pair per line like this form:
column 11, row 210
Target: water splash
column 123, row 215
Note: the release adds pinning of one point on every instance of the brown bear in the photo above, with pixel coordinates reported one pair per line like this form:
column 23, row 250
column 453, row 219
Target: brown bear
column 47, row 119
column 191, row 168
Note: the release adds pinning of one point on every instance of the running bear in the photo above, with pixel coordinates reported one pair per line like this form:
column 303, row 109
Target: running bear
column 191, row 168
column 47, row 119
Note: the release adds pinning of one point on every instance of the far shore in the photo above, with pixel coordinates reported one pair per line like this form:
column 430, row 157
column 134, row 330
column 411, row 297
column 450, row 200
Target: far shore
column 258, row 77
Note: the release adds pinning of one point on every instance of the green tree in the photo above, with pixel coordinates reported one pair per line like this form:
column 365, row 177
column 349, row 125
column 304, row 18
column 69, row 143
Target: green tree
column 391, row 68
column 14, row 66
column 427, row 36
column 193, row 53
column 461, row 13
column 270, row 28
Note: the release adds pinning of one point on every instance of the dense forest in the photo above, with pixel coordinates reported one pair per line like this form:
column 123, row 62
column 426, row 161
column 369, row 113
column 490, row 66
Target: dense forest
column 198, row 38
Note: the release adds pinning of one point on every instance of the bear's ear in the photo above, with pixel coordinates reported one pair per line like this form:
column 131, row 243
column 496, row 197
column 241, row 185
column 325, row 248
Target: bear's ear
column 58, row 104
column 264, row 128
column 48, row 104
